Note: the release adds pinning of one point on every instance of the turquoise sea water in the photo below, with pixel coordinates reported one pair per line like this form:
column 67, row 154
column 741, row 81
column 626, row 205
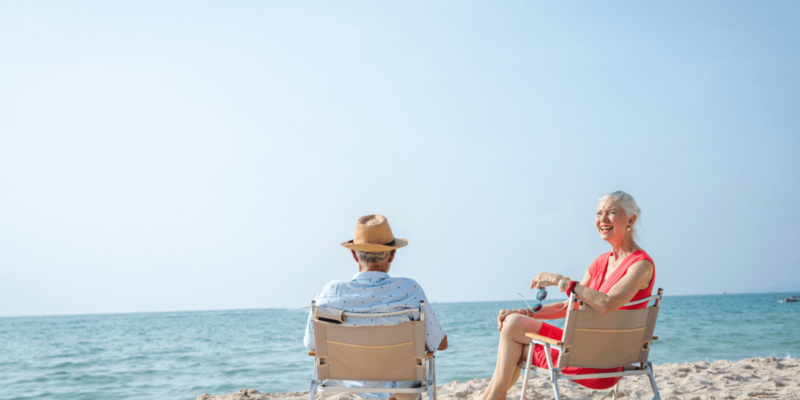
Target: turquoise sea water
column 184, row 354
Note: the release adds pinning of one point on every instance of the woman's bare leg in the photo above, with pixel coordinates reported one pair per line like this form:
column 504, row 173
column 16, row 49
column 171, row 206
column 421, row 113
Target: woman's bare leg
column 509, row 352
column 517, row 370
column 514, row 375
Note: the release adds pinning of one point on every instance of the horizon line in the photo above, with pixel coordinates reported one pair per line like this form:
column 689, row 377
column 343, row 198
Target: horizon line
column 306, row 307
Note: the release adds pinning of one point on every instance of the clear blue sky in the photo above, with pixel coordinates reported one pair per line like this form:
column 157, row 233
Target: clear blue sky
column 212, row 155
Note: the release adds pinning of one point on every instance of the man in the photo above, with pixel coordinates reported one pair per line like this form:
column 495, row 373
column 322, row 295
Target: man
column 372, row 291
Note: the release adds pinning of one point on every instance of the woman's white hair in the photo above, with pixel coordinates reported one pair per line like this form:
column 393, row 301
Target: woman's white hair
column 628, row 205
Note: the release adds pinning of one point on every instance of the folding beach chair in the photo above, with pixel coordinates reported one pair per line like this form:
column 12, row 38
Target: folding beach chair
column 370, row 353
column 595, row 340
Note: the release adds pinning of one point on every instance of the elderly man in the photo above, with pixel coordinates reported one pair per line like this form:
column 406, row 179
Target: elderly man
column 372, row 291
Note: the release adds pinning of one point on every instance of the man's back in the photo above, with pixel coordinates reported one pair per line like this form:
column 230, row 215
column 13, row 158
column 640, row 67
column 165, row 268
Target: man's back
column 377, row 292
column 372, row 290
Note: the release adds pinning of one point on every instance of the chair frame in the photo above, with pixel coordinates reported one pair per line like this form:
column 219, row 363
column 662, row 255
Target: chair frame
column 554, row 374
column 428, row 386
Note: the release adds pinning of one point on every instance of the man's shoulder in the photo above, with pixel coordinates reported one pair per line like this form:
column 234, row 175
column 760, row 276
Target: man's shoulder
column 406, row 281
column 333, row 285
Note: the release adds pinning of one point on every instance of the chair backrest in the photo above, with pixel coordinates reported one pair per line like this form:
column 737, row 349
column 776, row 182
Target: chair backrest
column 370, row 353
column 596, row 340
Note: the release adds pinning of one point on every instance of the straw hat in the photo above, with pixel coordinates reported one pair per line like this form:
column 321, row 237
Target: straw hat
column 373, row 234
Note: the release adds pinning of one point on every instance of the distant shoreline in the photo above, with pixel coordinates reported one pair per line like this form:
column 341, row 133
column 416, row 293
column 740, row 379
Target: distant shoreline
column 126, row 313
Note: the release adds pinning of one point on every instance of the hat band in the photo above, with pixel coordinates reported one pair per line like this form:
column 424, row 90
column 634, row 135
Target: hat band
column 385, row 244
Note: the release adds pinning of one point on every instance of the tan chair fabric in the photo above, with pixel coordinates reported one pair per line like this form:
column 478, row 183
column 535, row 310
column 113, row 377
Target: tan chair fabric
column 370, row 353
column 596, row 340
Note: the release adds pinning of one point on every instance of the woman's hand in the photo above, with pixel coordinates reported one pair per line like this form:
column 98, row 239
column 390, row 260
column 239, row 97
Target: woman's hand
column 505, row 313
column 548, row 279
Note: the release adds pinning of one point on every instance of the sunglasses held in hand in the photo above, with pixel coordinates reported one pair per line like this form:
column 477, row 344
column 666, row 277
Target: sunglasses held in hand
column 540, row 295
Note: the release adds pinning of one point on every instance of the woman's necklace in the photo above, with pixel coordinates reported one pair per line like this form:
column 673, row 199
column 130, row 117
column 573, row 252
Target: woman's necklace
column 617, row 261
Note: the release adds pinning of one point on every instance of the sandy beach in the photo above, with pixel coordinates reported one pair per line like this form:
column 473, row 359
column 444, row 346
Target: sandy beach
column 753, row 378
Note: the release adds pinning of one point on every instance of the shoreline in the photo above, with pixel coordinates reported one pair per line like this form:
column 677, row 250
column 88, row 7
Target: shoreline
column 751, row 378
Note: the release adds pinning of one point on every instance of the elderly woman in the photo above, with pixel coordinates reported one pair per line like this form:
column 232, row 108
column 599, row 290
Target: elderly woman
column 626, row 273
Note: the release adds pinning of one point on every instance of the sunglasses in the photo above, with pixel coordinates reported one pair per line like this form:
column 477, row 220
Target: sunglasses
column 540, row 295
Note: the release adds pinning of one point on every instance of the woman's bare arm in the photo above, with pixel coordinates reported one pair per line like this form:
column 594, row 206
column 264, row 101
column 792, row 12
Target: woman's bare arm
column 549, row 311
column 558, row 310
column 637, row 278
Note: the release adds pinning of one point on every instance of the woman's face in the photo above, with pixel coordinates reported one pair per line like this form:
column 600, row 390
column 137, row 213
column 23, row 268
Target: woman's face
column 610, row 220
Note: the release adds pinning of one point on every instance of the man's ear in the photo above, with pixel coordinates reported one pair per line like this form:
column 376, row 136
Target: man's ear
column 355, row 257
column 391, row 256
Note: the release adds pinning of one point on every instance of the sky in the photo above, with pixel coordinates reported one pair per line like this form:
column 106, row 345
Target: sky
column 201, row 155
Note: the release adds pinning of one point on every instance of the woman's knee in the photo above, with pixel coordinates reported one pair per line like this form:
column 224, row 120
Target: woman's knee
column 513, row 323
column 517, row 325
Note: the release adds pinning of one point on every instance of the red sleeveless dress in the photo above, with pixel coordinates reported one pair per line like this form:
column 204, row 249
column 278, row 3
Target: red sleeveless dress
column 598, row 271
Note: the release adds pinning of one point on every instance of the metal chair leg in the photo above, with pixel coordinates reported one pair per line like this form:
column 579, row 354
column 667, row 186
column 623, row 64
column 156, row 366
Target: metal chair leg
column 313, row 390
column 527, row 372
column 431, row 379
column 553, row 372
column 555, row 389
column 652, row 375
column 616, row 389
column 433, row 368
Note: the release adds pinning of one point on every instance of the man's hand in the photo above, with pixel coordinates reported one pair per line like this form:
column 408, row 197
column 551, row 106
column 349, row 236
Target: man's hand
column 443, row 344
column 505, row 313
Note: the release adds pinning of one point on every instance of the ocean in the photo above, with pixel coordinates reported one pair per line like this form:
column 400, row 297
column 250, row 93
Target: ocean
column 181, row 355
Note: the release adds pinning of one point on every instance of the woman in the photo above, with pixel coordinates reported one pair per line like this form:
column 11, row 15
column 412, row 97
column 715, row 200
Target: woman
column 625, row 274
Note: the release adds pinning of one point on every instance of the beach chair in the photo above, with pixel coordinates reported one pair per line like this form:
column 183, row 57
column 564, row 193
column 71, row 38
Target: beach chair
column 595, row 340
column 370, row 353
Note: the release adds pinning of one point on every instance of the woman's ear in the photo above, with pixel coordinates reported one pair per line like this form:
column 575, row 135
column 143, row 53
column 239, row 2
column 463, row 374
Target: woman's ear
column 632, row 220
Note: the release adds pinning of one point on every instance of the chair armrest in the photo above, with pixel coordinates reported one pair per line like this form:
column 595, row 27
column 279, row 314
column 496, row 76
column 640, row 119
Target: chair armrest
column 312, row 353
column 544, row 339
column 429, row 354
column 655, row 337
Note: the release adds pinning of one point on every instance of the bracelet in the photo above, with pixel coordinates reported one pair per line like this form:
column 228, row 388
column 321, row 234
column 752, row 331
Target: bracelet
column 571, row 287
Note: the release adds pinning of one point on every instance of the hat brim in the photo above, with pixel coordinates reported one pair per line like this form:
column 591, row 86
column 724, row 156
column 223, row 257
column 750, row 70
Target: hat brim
column 374, row 248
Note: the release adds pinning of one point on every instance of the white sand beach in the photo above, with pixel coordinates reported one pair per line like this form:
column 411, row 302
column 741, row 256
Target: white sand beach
column 753, row 378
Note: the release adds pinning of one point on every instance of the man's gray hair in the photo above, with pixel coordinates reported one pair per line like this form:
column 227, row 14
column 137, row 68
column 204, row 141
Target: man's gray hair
column 372, row 257
column 628, row 205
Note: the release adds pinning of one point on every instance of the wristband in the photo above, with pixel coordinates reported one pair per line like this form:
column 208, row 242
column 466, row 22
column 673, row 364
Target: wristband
column 571, row 287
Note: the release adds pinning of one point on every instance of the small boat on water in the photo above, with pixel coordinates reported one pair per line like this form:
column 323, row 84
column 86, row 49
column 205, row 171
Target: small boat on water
column 793, row 299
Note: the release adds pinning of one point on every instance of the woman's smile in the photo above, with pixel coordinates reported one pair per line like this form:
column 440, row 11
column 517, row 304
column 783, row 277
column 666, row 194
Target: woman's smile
column 607, row 218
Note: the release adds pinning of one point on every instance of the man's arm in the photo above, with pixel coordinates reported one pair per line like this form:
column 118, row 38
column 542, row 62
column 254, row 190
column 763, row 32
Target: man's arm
column 435, row 339
column 308, row 338
column 443, row 344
